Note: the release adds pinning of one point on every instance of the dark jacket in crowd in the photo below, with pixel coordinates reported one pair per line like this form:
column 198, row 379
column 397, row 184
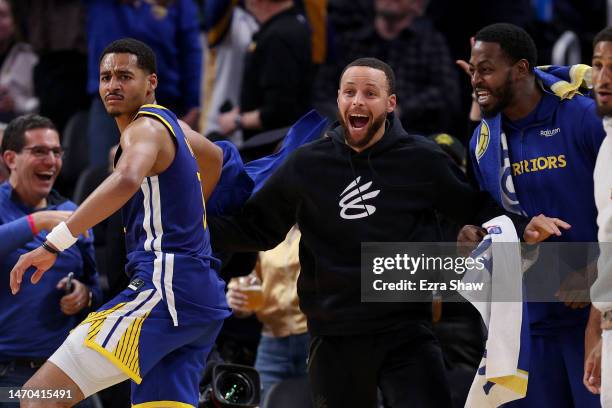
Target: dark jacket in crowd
column 278, row 72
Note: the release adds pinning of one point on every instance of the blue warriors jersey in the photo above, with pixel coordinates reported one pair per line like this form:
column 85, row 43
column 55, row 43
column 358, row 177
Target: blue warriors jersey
column 167, row 214
column 166, row 237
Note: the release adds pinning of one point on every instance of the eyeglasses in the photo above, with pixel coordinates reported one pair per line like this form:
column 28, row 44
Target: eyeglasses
column 40, row 152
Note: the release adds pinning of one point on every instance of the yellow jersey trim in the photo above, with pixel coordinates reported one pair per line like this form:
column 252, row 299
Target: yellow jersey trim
column 161, row 118
column 163, row 404
column 153, row 105
column 110, row 357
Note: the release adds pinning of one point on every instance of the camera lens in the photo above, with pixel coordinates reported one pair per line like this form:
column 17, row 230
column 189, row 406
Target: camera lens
column 235, row 388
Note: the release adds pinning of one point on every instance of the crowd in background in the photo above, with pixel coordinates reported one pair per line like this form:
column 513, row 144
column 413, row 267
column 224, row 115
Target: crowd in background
column 244, row 73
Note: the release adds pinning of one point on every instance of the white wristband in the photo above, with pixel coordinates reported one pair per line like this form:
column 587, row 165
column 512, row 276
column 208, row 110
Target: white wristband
column 61, row 237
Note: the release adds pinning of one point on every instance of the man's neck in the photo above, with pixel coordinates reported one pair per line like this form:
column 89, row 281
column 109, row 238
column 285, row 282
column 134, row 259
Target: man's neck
column 270, row 9
column 124, row 120
column 525, row 101
column 29, row 200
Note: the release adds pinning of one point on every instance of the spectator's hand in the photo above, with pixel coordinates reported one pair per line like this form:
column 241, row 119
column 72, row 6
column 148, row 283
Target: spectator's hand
column 541, row 227
column 592, row 370
column 468, row 238
column 191, row 117
column 575, row 291
column 75, row 301
column 227, row 121
column 40, row 258
column 475, row 114
column 237, row 301
column 7, row 103
column 464, row 65
column 47, row 220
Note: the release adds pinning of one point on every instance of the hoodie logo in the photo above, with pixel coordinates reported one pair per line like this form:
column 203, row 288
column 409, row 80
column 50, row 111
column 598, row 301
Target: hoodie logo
column 549, row 132
column 352, row 204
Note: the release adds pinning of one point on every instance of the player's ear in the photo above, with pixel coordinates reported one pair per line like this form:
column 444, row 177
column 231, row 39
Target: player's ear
column 152, row 82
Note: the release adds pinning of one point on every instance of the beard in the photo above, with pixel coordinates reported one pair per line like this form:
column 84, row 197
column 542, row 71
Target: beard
column 373, row 128
column 504, row 97
column 603, row 110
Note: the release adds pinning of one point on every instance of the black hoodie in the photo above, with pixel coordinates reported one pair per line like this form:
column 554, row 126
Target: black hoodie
column 403, row 179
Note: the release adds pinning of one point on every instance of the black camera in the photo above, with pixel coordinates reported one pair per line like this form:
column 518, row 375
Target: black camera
column 230, row 386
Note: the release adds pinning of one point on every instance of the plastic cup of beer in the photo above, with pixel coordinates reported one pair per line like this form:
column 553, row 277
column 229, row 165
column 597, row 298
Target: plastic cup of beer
column 251, row 287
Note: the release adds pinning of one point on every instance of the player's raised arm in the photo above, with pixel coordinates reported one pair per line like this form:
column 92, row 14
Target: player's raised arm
column 141, row 143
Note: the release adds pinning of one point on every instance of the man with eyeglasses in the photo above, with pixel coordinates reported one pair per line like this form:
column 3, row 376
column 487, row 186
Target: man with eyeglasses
column 29, row 208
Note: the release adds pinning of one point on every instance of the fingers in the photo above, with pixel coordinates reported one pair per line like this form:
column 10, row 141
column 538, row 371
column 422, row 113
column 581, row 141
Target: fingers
column 75, row 301
column 62, row 283
column 72, row 307
column 70, row 298
column 236, row 299
column 37, row 274
column 17, row 274
column 541, row 227
column 586, row 378
column 592, row 371
column 471, row 233
column 593, row 384
column 464, row 66
column 531, row 236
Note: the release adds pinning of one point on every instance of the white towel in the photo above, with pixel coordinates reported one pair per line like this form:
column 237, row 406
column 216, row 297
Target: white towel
column 500, row 378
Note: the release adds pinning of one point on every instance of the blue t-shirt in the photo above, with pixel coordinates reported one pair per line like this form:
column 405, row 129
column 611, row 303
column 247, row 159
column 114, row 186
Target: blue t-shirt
column 31, row 322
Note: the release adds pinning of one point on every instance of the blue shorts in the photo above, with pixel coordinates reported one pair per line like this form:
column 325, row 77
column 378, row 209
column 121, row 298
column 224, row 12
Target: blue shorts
column 161, row 338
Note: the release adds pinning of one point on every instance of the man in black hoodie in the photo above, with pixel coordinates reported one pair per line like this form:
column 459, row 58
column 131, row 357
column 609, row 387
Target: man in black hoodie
column 369, row 181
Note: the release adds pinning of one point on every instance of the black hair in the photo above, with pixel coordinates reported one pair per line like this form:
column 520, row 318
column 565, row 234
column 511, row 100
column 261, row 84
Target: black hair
column 14, row 134
column 603, row 35
column 516, row 43
column 144, row 54
column 376, row 64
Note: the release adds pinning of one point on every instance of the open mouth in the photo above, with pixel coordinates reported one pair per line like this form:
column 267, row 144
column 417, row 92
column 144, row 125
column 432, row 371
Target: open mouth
column 44, row 176
column 604, row 96
column 482, row 96
column 358, row 120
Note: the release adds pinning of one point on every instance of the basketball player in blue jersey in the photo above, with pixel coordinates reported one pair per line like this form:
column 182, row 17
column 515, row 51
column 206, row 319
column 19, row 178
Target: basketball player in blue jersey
column 160, row 329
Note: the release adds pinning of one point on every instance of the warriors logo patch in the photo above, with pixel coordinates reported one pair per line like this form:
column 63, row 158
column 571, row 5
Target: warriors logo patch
column 483, row 140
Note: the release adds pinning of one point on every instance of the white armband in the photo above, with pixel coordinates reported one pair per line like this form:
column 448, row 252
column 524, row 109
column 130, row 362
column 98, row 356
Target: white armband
column 61, row 237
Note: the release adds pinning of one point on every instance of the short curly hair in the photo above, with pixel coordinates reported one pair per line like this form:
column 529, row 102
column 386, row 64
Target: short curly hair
column 516, row 43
